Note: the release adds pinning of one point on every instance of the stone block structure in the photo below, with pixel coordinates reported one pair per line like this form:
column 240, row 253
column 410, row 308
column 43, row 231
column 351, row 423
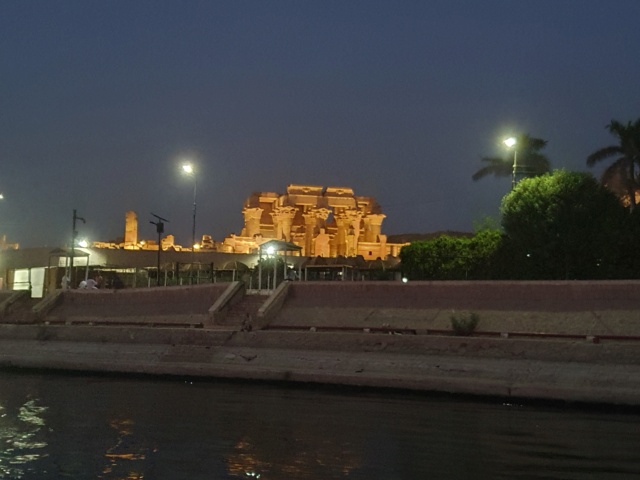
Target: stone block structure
column 323, row 221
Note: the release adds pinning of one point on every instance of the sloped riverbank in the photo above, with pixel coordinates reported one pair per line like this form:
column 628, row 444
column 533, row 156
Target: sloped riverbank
column 572, row 371
column 566, row 341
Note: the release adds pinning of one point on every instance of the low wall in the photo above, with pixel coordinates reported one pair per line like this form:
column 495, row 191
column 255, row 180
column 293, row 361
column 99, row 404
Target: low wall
column 547, row 296
column 580, row 351
column 577, row 308
column 141, row 302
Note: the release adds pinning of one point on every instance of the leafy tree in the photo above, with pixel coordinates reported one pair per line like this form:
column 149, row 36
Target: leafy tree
column 530, row 162
column 621, row 176
column 484, row 253
column 449, row 257
column 564, row 225
column 630, row 253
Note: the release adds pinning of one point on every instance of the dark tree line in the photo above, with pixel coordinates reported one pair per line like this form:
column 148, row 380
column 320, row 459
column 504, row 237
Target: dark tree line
column 555, row 225
column 623, row 175
column 560, row 225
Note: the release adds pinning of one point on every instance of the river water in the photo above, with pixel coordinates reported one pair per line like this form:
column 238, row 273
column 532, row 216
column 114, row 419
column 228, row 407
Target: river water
column 59, row 426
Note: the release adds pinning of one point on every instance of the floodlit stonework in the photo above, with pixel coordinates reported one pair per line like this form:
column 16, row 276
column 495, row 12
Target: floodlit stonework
column 4, row 245
column 323, row 221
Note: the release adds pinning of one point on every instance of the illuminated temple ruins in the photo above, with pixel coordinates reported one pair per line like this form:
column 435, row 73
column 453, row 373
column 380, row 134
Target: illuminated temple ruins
column 324, row 222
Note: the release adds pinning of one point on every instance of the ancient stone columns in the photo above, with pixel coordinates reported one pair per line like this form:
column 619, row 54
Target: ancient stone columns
column 373, row 226
column 348, row 231
column 313, row 218
column 282, row 220
column 130, row 230
column 251, row 221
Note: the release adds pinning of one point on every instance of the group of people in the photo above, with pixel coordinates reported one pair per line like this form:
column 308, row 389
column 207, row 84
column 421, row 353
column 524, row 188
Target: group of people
column 90, row 283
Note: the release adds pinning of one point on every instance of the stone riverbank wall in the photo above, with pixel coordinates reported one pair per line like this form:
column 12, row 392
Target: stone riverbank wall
column 568, row 341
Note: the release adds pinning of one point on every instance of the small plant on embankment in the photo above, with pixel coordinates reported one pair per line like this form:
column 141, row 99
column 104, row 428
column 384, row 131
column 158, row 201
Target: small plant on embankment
column 464, row 323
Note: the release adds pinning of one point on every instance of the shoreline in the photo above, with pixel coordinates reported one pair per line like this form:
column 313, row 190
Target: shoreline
column 552, row 341
column 513, row 370
column 339, row 388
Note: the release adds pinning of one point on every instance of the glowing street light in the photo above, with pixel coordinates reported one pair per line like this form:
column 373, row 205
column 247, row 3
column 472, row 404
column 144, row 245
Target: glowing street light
column 511, row 143
column 189, row 170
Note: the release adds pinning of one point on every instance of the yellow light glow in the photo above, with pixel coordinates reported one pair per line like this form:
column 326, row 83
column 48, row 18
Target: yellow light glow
column 187, row 168
column 83, row 243
column 510, row 142
column 196, row 246
column 270, row 250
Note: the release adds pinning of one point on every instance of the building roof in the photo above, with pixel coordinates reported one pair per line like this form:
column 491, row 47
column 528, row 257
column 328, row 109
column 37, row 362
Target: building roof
column 280, row 246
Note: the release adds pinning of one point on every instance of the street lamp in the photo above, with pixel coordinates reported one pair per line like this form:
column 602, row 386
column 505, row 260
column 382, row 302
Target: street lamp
column 511, row 143
column 159, row 223
column 271, row 253
column 188, row 169
column 74, row 235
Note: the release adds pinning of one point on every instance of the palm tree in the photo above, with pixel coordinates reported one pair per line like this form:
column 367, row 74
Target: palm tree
column 530, row 162
column 621, row 176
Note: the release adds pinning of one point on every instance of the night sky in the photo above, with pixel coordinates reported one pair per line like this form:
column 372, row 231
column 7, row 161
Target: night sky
column 100, row 101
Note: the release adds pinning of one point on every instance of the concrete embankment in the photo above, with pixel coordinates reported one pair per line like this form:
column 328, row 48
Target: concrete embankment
column 577, row 367
column 574, row 371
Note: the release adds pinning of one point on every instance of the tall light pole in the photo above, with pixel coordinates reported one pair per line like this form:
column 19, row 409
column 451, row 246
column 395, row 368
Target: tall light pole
column 511, row 143
column 74, row 234
column 188, row 169
column 159, row 223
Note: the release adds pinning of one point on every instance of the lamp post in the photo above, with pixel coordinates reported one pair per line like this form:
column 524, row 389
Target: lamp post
column 271, row 253
column 74, row 234
column 160, row 230
column 188, row 169
column 511, row 143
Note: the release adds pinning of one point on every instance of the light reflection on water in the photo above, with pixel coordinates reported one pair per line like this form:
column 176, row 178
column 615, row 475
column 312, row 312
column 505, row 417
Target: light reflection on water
column 91, row 427
column 21, row 438
column 125, row 453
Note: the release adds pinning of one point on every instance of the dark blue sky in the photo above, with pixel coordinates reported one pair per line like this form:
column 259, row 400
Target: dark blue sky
column 99, row 101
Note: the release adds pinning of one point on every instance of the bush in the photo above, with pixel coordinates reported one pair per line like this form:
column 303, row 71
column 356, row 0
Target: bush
column 464, row 323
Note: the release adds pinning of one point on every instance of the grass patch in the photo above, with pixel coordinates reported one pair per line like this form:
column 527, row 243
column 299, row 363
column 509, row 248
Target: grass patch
column 464, row 323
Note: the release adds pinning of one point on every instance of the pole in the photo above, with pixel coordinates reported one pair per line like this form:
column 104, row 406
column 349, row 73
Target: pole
column 515, row 166
column 160, row 229
column 74, row 234
column 275, row 269
column 193, row 231
column 260, row 268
